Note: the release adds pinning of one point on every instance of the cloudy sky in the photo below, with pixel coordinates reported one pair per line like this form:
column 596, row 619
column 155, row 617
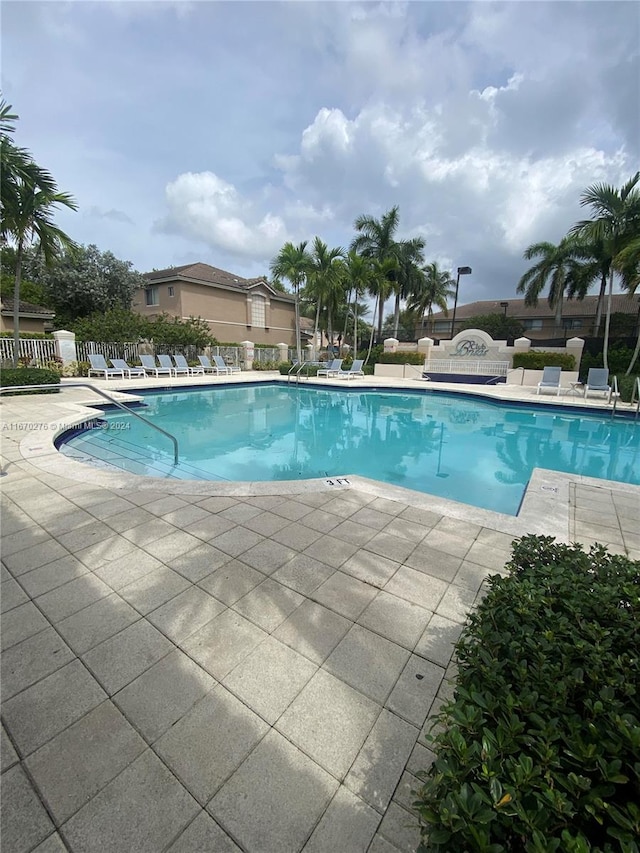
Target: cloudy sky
column 216, row 131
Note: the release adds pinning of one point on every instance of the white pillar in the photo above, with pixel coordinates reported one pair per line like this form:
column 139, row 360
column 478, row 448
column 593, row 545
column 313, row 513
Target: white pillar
column 391, row 345
column 521, row 345
column 425, row 346
column 283, row 350
column 574, row 347
column 66, row 346
column 247, row 346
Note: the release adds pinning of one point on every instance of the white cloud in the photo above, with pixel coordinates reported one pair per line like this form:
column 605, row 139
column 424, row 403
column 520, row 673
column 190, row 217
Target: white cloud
column 204, row 207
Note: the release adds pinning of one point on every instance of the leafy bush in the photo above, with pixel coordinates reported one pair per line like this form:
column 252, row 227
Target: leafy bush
column 30, row 376
column 266, row 365
column 619, row 359
column 47, row 336
column 625, row 386
column 401, row 358
column 540, row 360
column 496, row 325
column 541, row 746
column 120, row 324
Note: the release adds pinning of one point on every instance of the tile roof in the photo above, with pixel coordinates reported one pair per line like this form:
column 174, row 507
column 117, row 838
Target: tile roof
column 206, row 274
column 26, row 308
column 620, row 303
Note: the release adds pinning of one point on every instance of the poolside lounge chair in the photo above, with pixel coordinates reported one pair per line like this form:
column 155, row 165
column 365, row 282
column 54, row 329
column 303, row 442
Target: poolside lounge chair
column 150, row 366
column 222, row 367
column 353, row 372
column 597, row 380
column 121, row 364
column 99, row 366
column 165, row 361
column 550, row 379
column 183, row 367
column 206, row 364
column 331, row 369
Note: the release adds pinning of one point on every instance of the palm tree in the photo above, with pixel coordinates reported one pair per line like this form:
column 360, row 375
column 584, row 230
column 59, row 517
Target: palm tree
column 616, row 224
column 557, row 266
column 375, row 240
column 28, row 220
column 434, row 287
column 324, row 282
column 293, row 263
column 407, row 278
column 358, row 272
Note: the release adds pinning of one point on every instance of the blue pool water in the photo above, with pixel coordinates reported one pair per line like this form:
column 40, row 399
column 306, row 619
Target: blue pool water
column 459, row 447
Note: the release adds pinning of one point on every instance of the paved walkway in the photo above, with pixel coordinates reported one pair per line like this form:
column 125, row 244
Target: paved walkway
column 187, row 672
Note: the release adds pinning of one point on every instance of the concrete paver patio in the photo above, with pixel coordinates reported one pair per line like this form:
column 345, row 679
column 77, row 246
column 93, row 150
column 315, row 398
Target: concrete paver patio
column 187, row 671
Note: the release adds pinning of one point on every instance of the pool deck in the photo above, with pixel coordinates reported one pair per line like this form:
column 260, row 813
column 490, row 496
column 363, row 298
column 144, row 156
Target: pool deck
column 238, row 667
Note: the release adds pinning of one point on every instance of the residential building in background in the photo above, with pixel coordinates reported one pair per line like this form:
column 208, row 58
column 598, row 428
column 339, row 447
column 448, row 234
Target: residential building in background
column 236, row 309
column 578, row 317
column 33, row 318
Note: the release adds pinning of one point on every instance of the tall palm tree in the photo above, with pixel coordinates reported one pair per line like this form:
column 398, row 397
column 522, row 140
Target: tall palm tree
column 28, row 220
column 358, row 273
column 293, row 263
column 434, row 287
column 616, row 223
column 376, row 240
column 324, row 282
column 410, row 255
column 557, row 267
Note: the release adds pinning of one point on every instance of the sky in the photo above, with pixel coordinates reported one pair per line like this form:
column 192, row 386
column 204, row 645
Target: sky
column 216, row 131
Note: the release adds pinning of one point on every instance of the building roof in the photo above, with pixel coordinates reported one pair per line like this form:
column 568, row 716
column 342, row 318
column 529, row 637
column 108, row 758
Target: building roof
column 26, row 309
column 206, row 274
column 620, row 303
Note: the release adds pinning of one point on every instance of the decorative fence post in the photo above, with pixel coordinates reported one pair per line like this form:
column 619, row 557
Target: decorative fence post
column 391, row 345
column 283, row 352
column 425, row 346
column 247, row 346
column 66, row 346
column 574, row 347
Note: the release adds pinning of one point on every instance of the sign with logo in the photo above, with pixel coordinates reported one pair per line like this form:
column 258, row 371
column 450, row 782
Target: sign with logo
column 470, row 348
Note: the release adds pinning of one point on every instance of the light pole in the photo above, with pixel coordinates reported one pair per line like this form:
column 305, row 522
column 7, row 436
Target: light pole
column 461, row 271
column 504, row 306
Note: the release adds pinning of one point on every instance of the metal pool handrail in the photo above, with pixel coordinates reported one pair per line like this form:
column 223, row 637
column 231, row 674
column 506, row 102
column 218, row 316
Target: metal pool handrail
column 10, row 388
column 636, row 390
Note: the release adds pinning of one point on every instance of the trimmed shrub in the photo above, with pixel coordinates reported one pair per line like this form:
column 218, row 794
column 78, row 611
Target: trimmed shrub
column 401, row 358
column 540, row 749
column 540, row 360
column 29, row 376
column 266, row 365
column 308, row 370
column 625, row 386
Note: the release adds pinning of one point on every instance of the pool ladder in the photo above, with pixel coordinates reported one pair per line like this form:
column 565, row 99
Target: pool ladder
column 635, row 396
column 129, row 411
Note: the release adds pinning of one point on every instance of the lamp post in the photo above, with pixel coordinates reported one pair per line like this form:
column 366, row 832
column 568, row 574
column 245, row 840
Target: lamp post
column 504, row 306
column 461, row 271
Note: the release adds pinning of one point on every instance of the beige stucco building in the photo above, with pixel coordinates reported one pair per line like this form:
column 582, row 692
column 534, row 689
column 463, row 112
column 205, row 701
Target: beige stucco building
column 33, row 318
column 236, row 309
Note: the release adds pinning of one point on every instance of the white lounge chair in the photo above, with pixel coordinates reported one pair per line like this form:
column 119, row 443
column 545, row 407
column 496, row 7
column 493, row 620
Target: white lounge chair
column 183, row 367
column 207, row 366
column 222, row 367
column 100, row 367
column 550, row 380
column 597, row 380
column 121, row 364
column 353, row 372
column 332, row 369
column 150, row 366
column 165, row 361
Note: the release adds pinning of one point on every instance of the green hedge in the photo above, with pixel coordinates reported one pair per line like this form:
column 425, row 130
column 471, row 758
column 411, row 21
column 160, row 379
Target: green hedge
column 308, row 370
column 401, row 358
column 539, row 750
column 540, row 360
column 40, row 336
column 625, row 386
column 29, row 376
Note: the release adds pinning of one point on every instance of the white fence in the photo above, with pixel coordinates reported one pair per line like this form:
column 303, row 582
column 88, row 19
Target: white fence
column 127, row 351
column 468, row 368
column 35, row 349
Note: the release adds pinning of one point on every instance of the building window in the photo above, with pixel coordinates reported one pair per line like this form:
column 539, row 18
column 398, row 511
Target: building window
column 171, row 290
column 572, row 324
column 151, row 296
column 441, row 326
column 532, row 325
column 258, row 312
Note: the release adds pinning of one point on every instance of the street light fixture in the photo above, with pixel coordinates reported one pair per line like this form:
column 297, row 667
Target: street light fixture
column 504, row 305
column 461, row 271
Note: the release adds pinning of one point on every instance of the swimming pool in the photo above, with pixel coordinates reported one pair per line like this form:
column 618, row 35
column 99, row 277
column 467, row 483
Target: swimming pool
column 451, row 445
